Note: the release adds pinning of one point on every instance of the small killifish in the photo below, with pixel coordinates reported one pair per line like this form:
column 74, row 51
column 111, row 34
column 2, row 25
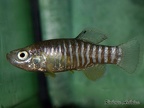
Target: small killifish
column 80, row 53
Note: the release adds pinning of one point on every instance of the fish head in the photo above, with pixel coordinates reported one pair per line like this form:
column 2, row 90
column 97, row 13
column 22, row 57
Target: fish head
column 19, row 58
column 26, row 59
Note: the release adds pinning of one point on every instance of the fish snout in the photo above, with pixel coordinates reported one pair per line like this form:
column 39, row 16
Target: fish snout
column 10, row 58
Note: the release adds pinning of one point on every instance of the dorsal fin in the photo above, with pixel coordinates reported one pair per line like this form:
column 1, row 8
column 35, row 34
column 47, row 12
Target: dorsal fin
column 95, row 72
column 91, row 35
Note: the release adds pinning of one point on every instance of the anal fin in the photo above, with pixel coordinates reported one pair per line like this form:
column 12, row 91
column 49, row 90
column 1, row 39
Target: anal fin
column 95, row 72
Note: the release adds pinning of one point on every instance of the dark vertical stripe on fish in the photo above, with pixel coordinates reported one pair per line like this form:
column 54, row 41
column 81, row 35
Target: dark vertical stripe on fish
column 109, row 55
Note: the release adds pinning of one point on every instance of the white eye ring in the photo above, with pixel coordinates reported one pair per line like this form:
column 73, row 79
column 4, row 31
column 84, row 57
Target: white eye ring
column 22, row 55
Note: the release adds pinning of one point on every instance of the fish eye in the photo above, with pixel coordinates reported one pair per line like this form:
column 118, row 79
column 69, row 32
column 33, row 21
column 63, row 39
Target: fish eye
column 22, row 55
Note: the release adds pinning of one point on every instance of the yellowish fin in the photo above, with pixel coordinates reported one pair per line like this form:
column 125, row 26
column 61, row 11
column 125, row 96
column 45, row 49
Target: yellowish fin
column 95, row 72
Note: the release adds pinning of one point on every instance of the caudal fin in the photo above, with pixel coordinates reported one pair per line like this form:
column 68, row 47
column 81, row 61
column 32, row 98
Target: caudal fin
column 130, row 56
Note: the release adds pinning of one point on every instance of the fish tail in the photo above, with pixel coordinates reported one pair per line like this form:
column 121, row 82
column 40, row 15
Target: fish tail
column 130, row 55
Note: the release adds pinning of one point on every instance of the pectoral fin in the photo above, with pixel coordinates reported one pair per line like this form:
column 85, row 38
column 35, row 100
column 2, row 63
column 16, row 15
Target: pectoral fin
column 50, row 72
column 91, row 35
column 94, row 73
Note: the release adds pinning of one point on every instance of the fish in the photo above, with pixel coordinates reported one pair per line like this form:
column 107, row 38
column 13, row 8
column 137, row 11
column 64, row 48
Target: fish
column 84, row 53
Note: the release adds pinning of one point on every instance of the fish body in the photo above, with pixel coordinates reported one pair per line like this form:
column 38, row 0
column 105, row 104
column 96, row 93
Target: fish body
column 79, row 53
column 71, row 54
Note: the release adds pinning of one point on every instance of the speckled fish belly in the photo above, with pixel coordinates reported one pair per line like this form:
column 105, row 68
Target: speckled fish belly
column 80, row 53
